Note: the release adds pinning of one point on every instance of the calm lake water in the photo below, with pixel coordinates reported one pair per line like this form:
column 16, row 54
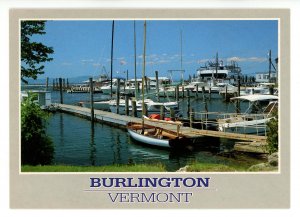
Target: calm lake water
column 78, row 143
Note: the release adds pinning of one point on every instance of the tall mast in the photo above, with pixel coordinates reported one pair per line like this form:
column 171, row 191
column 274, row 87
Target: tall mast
column 143, row 75
column 181, row 56
column 270, row 64
column 111, row 57
column 217, row 64
column 135, row 82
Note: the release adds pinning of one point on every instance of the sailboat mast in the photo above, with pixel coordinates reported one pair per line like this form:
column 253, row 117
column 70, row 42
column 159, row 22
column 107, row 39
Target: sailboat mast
column 135, row 82
column 111, row 57
column 143, row 75
column 217, row 64
column 270, row 64
column 181, row 57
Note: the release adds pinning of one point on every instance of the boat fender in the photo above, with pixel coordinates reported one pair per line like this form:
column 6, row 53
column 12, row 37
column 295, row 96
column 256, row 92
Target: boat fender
column 154, row 116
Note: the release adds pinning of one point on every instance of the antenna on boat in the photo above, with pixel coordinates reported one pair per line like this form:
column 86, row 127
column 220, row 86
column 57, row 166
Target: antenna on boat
column 111, row 57
column 143, row 76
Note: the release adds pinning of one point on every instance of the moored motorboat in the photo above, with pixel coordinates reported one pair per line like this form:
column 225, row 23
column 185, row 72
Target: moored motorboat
column 260, row 110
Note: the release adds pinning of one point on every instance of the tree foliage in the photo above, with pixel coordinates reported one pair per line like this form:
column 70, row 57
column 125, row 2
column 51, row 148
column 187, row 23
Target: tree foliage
column 272, row 134
column 37, row 147
column 33, row 53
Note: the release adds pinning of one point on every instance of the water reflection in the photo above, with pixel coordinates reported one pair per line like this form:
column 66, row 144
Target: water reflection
column 77, row 142
column 93, row 149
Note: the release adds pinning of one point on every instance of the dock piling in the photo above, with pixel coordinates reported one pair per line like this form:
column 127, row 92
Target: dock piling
column 203, row 93
column 92, row 99
column 47, row 83
column 177, row 93
column 133, row 111
column 126, row 105
column 157, row 88
column 188, row 102
column 61, row 91
column 162, row 112
column 118, row 95
column 172, row 114
column 145, row 109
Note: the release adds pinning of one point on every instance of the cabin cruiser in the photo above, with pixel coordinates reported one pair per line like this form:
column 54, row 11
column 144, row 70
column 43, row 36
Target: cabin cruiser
column 260, row 110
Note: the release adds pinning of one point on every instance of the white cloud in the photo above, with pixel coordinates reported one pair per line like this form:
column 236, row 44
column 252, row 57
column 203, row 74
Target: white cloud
column 97, row 64
column 203, row 61
column 247, row 59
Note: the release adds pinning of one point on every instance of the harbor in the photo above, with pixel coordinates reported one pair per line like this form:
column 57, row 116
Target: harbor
column 79, row 142
column 212, row 113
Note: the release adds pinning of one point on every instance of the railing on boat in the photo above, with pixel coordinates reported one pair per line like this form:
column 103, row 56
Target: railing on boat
column 216, row 119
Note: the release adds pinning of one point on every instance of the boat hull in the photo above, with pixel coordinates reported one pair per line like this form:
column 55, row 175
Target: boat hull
column 149, row 141
column 149, row 136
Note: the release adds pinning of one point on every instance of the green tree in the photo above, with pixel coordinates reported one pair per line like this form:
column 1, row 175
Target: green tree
column 272, row 134
column 37, row 147
column 33, row 53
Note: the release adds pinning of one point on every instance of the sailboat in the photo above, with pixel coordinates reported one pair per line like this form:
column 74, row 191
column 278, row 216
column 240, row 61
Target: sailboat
column 154, row 135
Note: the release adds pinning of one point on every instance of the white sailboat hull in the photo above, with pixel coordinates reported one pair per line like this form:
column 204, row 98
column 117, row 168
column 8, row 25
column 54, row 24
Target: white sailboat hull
column 148, row 140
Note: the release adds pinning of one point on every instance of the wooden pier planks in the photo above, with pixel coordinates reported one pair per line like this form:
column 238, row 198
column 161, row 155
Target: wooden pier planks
column 122, row 120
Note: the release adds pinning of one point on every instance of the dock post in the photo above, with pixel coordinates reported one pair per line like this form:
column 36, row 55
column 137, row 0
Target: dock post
column 92, row 99
column 162, row 112
column 126, row 105
column 53, row 85
column 209, row 91
column 133, row 111
column 149, row 85
column 172, row 114
column 188, row 102
column 47, row 83
column 61, row 91
column 225, row 94
column 64, row 83
column 182, row 91
column 206, row 114
column 177, row 93
column 271, row 90
column 239, row 85
column 197, row 90
column 118, row 95
column 145, row 109
column 157, row 87
column 192, row 117
column 203, row 93
column 57, row 85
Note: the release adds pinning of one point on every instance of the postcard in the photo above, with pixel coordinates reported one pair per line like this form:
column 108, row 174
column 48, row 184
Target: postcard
column 149, row 108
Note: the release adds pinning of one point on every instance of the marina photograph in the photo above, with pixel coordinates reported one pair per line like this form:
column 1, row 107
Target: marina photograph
column 133, row 95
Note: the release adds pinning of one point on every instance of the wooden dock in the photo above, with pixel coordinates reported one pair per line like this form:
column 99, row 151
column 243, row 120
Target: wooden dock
column 121, row 121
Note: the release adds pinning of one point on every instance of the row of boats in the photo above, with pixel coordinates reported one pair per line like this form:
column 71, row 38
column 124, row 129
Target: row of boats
column 260, row 111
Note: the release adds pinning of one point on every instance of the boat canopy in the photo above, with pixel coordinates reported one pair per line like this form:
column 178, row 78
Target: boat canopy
column 255, row 97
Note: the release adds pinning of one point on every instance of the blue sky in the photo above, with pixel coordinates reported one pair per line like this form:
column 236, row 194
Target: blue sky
column 82, row 48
